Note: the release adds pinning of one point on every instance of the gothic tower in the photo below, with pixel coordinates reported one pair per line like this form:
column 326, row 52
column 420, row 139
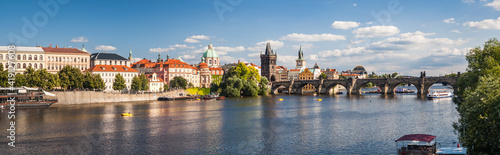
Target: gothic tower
column 300, row 62
column 268, row 64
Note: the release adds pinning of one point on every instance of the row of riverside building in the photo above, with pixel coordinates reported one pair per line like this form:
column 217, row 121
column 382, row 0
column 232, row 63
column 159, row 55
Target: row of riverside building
column 161, row 71
column 108, row 65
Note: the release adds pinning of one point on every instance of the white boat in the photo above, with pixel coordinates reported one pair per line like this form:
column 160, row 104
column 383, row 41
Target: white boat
column 441, row 94
column 452, row 150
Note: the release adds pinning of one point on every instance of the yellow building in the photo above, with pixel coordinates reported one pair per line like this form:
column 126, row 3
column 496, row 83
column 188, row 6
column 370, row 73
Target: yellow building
column 57, row 58
column 307, row 75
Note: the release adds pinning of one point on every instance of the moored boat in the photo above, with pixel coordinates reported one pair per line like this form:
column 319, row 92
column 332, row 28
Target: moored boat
column 25, row 97
column 441, row 94
column 416, row 144
column 176, row 98
column 221, row 98
column 404, row 90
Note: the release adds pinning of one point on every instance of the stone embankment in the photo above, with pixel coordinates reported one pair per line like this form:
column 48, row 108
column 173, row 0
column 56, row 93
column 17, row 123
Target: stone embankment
column 85, row 97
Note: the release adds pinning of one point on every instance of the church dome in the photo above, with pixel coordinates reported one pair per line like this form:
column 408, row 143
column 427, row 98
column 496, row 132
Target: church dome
column 210, row 52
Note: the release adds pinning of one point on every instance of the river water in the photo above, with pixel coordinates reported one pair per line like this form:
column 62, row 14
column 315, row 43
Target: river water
column 357, row 124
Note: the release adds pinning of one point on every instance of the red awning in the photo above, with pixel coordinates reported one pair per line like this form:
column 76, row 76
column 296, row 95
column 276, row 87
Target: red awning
column 417, row 137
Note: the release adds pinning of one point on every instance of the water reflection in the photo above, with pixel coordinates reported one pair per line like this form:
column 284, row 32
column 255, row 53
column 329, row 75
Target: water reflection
column 339, row 124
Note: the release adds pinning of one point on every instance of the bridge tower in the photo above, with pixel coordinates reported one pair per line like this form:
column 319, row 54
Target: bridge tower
column 268, row 63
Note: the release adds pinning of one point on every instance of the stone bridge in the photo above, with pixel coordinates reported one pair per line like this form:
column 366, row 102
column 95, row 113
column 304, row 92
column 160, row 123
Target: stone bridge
column 353, row 86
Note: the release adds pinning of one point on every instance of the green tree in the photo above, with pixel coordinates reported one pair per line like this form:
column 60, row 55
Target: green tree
column 70, row 78
column 144, row 82
column 88, row 81
column 231, row 87
column 136, row 84
column 191, row 85
column 263, row 85
column 98, row 82
column 20, row 80
column 394, row 75
column 4, row 76
column 478, row 100
column 119, row 83
column 32, row 79
column 165, row 87
column 322, row 75
column 46, row 81
column 178, row 82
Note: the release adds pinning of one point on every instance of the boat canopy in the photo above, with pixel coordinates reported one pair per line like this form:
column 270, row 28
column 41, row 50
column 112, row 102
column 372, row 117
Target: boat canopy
column 417, row 137
column 48, row 94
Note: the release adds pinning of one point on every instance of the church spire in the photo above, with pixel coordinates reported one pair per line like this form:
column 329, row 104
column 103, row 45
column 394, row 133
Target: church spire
column 130, row 54
column 269, row 50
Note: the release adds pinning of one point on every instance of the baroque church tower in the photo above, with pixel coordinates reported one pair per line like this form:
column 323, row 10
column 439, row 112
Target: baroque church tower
column 268, row 63
column 300, row 62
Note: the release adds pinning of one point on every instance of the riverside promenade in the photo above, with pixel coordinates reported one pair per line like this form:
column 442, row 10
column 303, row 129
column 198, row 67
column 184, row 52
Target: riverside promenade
column 85, row 97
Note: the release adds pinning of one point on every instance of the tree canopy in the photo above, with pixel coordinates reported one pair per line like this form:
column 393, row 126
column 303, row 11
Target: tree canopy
column 240, row 80
column 70, row 78
column 478, row 100
column 119, row 83
column 178, row 82
column 4, row 76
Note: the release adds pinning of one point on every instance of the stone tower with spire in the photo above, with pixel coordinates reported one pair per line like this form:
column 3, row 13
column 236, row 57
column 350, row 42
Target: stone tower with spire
column 300, row 62
column 268, row 63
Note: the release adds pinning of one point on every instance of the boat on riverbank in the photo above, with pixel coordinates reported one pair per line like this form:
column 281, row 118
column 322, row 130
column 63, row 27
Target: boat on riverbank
column 404, row 90
column 175, row 98
column 442, row 94
column 416, row 144
column 26, row 97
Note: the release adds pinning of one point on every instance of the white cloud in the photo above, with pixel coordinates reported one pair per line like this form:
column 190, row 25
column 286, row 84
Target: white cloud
column 345, row 24
column 450, row 51
column 449, row 20
column 344, row 52
column 357, row 41
column 257, row 54
column 284, row 60
column 261, row 46
column 314, row 57
column 159, row 49
column 222, row 50
column 188, row 56
column 455, row 31
column 305, row 46
column 80, row 40
column 312, row 37
column 189, row 40
column 495, row 4
column 230, row 59
column 354, row 4
column 468, row 1
column 196, row 38
column 407, row 42
column 137, row 59
column 375, row 31
column 178, row 46
column 105, row 48
column 489, row 24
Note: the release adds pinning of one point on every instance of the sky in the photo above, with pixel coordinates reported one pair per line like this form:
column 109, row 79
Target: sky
column 385, row 36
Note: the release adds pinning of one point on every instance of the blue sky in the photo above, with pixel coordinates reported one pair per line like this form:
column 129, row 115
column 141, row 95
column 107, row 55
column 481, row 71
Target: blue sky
column 405, row 36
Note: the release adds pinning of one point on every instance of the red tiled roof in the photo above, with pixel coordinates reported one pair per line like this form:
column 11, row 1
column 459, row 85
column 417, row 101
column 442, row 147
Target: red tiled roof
column 203, row 65
column 110, row 68
column 211, row 69
column 176, row 63
column 64, row 50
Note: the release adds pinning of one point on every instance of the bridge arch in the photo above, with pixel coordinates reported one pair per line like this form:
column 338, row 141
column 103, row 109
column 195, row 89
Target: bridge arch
column 274, row 89
column 299, row 87
column 332, row 86
column 428, row 86
column 393, row 85
column 360, row 83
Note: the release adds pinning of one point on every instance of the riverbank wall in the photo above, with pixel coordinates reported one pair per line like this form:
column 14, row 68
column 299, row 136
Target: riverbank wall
column 86, row 97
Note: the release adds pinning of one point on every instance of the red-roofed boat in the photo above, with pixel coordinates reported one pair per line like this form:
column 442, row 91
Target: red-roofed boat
column 416, row 144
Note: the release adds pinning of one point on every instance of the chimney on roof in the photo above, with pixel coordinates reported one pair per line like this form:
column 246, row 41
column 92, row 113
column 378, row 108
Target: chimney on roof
column 57, row 46
column 50, row 45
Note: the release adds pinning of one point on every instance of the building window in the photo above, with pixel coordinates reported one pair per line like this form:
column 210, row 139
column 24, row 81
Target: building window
column 35, row 57
column 110, row 62
column 210, row 62
column 18, row 65
column 215, row 62
column 24, row 57
column 24, row 65
column 1, row 57
column 18, row 57
column 35, row 65
column 29, row 57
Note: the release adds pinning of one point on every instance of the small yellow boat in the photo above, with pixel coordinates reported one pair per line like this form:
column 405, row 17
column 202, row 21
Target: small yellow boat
column 127, row 114
column 320, row 99
column 280, row 99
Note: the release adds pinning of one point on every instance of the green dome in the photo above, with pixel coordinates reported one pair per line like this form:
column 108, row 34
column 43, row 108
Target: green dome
column 210, row 52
